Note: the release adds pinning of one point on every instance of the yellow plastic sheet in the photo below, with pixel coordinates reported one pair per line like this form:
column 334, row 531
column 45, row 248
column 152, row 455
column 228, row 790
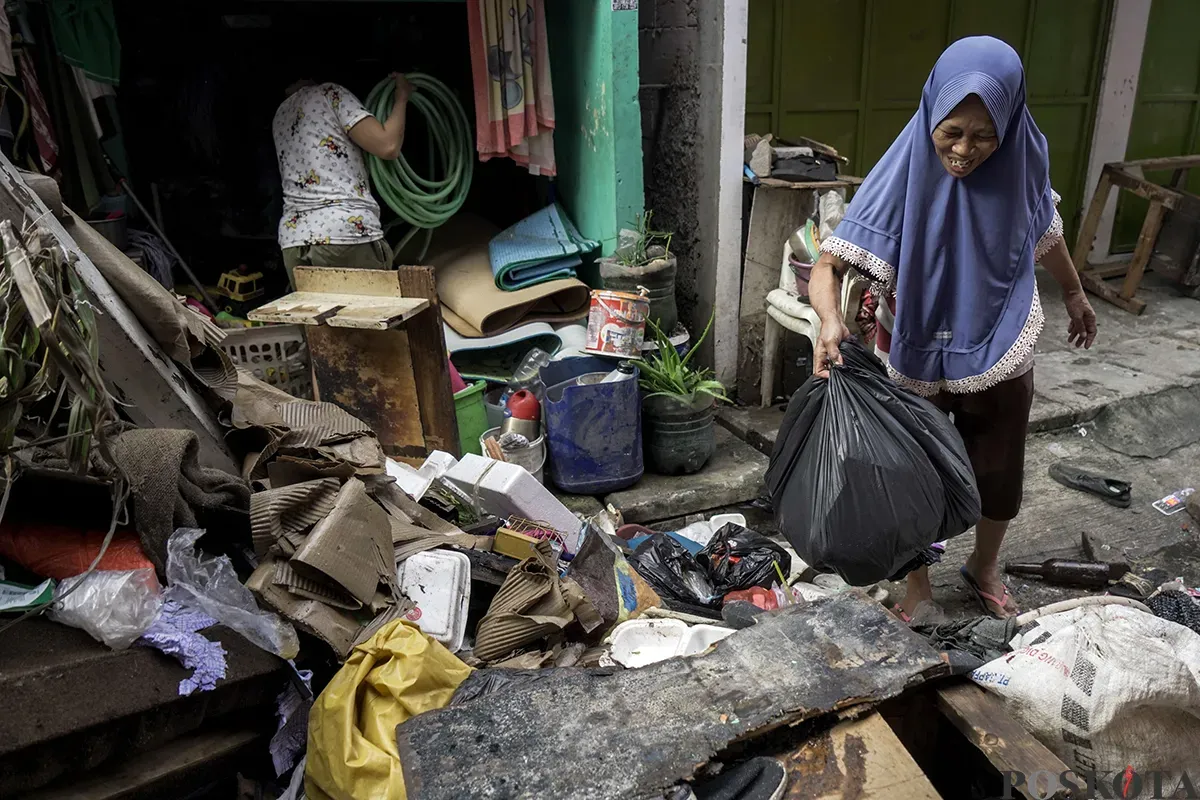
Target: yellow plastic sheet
column 397, row 674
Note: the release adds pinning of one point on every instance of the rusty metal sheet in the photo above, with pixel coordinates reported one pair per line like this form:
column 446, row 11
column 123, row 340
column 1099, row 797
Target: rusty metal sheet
column 592, row 736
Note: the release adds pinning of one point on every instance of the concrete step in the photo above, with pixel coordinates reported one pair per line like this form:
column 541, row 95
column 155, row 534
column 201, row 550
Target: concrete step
column 71, row 704
column 733, row 476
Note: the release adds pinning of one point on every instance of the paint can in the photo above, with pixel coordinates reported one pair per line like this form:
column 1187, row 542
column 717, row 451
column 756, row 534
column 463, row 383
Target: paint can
column 617, row 323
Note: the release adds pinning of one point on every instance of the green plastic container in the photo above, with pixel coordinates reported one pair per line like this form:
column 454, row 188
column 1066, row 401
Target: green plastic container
column 472, row 417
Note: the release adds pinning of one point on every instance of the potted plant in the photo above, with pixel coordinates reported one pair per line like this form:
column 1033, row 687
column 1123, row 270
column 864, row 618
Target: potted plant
column 678, row 408
column 644, row 259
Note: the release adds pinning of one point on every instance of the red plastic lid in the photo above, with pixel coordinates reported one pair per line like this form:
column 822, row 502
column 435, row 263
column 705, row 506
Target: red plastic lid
column 524, row 405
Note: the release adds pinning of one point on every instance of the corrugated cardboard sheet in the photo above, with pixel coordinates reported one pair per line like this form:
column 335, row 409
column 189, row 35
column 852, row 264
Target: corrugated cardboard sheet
column 295, row 509
column 531, row 604
column 351, row 546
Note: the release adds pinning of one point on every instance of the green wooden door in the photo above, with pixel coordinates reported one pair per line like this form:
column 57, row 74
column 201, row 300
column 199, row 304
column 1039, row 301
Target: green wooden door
column 850, row 72
column 1166, row 114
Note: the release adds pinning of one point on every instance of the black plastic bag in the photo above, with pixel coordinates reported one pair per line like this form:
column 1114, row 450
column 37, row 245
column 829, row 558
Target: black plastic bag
column 864, row 476
column 673, row 572
column 737, row 558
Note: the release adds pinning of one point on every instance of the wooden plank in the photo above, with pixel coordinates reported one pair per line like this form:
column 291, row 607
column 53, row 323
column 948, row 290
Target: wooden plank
column 1145, row 247
column 340, row 310
column 1106, row 271
column 430, row 363
column 981, row 718
column 1143, row 188
column 859, row 758
column 378, row 317
column 1102, row 290
column 843, row 182
column 1170, row 162
column 184, row 763
column 1091, row 222
column 347, row 280
column 797, row 663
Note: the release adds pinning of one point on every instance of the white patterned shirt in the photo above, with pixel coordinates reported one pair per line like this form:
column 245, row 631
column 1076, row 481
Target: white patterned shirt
column 326, row 195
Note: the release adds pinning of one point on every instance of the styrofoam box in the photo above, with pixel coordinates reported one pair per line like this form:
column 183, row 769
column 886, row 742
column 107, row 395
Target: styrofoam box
column 638, row 642
column 509, row 490
column 439, row 582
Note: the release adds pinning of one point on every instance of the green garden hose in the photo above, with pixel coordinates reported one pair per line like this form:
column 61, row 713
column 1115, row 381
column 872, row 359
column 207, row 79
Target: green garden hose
column 425, row 202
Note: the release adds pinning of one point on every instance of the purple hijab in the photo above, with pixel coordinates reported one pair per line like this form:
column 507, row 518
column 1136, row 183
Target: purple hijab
column 959, row 252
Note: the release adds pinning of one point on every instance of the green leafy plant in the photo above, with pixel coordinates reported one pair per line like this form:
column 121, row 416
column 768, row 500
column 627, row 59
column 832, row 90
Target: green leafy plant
column 665, row 372
column 636, row 253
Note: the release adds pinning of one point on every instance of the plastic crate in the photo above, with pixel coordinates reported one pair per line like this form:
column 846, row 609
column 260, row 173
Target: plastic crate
column 276, row 354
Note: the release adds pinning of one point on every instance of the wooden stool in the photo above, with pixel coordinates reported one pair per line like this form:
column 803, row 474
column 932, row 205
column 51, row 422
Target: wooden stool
column 1128, row 175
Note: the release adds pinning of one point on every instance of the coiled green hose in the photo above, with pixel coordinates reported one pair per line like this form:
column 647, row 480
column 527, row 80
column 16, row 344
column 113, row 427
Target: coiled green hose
column 425, row 202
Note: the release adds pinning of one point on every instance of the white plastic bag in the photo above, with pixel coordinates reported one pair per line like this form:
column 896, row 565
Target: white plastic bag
column 211, row 585
column 1105, row 687
column 114, row 606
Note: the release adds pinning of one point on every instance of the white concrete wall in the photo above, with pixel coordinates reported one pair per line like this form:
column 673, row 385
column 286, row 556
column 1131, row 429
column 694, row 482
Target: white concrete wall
column 1114, row 111
column 728, row 279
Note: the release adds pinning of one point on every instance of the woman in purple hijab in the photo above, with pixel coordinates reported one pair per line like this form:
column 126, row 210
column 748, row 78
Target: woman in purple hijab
column 952, row 220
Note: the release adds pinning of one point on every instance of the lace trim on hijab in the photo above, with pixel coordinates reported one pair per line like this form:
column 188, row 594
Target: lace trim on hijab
column 1052, row 234
column 1021, row 349
column 875, row 268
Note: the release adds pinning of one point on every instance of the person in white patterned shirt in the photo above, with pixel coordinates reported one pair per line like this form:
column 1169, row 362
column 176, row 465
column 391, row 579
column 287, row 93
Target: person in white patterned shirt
column 330, row 217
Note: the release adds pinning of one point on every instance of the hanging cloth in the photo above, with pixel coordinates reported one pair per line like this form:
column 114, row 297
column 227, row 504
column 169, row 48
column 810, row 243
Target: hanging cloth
column 39, row 114
column 85, row 34
column 510, row 64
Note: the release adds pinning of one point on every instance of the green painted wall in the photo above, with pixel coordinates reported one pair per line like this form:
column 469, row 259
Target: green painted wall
column 857, row 89
column 597, row 136
column 1166, row 115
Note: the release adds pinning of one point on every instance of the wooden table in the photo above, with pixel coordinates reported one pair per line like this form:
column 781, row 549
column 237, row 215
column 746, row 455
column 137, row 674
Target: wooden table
column 1128, row 175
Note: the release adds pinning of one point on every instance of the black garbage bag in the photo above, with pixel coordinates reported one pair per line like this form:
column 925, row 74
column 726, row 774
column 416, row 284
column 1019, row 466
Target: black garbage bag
column 864, row 476
column 673, row 572
column 738, row 558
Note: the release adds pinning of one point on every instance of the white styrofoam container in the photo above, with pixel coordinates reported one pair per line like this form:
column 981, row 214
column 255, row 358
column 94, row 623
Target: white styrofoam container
column 638, row 642
column 508, row 490
column 439, row 582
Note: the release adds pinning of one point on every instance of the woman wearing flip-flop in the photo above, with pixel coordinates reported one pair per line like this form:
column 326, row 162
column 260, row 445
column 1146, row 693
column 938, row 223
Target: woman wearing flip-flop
column 950, row 223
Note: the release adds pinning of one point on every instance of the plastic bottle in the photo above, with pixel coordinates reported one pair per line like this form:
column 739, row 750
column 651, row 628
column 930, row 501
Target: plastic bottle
column 1084, row 574
column 528, row 376
column 623, row 372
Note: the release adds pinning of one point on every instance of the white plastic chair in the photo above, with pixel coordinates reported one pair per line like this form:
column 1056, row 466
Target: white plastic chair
column 786, row 311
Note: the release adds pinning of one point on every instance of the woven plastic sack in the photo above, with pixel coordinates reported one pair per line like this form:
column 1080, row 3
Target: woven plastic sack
column 1105, row 687
column 865, row 476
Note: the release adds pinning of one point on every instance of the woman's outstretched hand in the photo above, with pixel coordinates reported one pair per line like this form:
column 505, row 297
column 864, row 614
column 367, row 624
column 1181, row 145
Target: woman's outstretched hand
column 828, row 347
column 1081, row 331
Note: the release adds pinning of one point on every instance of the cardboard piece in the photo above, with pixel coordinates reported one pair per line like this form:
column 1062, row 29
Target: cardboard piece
column 351, row 546
column 290, row 510
column 532, row 603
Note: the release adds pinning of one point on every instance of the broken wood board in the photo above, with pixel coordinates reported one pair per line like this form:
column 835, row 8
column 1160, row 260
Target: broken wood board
column 982, row 719
column 395, row 376
column 340, row 310
column 861, row 759
column 594, row 735
column 149, row 387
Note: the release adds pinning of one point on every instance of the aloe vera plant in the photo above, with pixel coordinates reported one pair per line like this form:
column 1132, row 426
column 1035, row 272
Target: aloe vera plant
column 667, row 373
